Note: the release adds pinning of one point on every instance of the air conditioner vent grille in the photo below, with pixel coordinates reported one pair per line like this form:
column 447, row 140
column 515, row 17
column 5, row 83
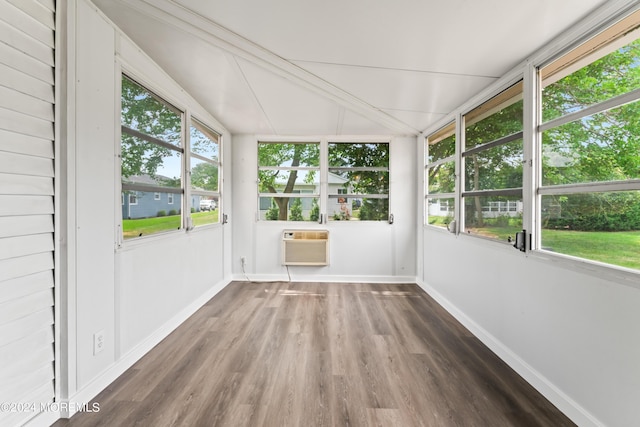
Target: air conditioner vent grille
column 305, row 247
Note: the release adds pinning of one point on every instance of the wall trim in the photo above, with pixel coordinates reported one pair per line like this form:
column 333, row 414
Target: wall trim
column 240, row 277
column 100, row 382
column 557, row 397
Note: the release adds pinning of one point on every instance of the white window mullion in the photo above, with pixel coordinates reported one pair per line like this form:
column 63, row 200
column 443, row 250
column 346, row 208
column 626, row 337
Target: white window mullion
column 324, row 179
column 187, row 221
column 530, row 159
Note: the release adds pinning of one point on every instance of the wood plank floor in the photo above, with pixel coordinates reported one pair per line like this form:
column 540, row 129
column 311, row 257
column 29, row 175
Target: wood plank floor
column 320, row 354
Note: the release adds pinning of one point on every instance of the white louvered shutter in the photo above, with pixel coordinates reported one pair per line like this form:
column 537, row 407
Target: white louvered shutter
column 26, row 206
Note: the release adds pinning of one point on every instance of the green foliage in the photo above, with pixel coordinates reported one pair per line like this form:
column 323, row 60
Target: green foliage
column 273, row 213
column 144, row 112
column 357, row 155
column 601, row 147
column 173, row 212
column 281, row 180
column 162, row 213
column 618, row 211
column 204, row 176
column 314, row 214
column 295, row 213
column 374, row 210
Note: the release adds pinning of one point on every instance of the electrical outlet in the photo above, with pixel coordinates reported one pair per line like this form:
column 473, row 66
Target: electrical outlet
column 98, row 342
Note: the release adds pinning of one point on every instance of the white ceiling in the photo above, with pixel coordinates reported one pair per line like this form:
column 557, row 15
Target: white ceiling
column 339, row 66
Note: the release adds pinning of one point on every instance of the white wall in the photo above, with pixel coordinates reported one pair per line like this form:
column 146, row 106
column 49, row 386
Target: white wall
column 574, row 335
column 359, row 251
column 138, row 293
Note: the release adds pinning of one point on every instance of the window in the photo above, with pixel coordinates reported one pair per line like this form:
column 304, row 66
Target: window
column 151, row 152
column 358, row 181
column 590, row 145
column 154, row 151
column 292, row 188
column 286, row 169
column 492, row 166
column 204, row 174
column 440, row 176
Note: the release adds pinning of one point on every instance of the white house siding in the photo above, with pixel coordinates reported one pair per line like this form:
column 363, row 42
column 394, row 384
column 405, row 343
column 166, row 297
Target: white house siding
column 26, row 206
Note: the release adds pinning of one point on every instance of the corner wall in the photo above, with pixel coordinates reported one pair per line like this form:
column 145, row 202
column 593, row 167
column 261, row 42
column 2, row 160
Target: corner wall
column 138, row 293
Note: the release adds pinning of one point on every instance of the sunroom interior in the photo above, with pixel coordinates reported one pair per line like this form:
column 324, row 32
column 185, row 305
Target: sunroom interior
column 484, row 151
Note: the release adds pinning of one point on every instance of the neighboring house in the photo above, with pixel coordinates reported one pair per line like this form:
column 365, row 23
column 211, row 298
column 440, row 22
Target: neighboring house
column 493, row 209
column 147, row 204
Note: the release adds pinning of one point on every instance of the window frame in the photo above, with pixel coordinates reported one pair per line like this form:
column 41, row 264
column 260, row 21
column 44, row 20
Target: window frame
column 494, row 103
column 186, row 221
column 441, row 134
column 322, row 195
column 216, row 195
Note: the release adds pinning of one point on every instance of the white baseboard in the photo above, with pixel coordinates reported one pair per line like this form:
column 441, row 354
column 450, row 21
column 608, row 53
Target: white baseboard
column 564, row 403
column 319, row 278
column 86, row 394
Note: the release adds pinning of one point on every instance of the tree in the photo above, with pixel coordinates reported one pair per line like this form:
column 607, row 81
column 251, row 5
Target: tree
column 598, row 148
column 296, row 210
column 144, row 112
column 285, row 155
column 205, row 176
column 355, row 156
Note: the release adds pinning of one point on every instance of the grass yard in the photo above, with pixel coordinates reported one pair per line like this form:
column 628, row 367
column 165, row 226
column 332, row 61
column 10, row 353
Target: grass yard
column 146, row 226
column 617, row 248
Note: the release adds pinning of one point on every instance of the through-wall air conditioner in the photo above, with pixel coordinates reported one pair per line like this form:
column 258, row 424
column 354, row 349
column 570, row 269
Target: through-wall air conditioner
column 305, row 247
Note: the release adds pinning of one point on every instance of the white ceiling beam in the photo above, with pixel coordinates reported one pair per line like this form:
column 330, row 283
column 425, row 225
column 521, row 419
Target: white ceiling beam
column 192, row 23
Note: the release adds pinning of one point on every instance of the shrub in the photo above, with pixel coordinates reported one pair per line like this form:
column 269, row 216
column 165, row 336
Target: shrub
column 295, row 214
column 273, row 212
column 162, row 213
column 173, row 212
column 314, row 214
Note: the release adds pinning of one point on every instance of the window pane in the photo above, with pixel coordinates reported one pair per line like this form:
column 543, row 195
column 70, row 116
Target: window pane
column 204, row 141
column 495, row 168
column 496, row 217
column 144, row 162
column 442, row 178
column 288, row 181
column 289, row 209
column 204, row 175
column 204, row 210
column 358, row 155
column 288, row 154
column 441, row 149
column 146, row 113
column 143, row 215
column 601, row 147
column 507, row 120
column 358, row 182
column 350, row 208
column 440, row 212
column 602, row 227
column 612, row 75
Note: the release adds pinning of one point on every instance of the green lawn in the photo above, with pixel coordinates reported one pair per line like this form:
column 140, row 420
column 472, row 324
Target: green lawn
column 146, row 226
column 617, row 248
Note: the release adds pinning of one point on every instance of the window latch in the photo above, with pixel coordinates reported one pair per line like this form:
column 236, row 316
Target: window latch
column 520, row 241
